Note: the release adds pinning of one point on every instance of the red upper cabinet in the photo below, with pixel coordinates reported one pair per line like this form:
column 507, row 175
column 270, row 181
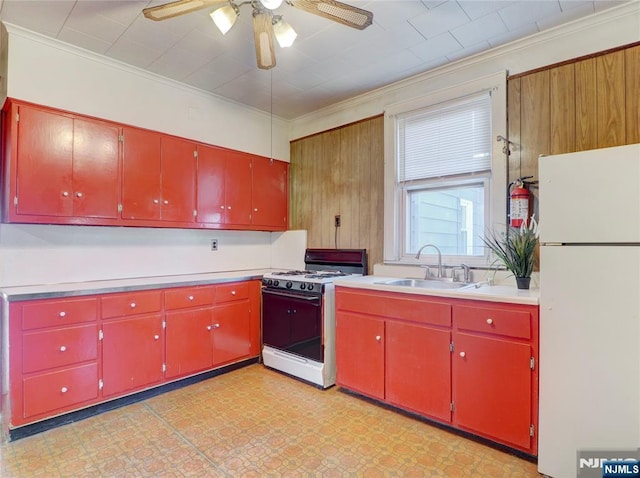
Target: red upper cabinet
column 224, row 186
column 178, row 179
column 64, row 166
column 270, row 193
column 158, row 177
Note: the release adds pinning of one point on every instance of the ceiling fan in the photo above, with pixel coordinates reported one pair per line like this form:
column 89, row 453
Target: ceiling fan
column 266, row 23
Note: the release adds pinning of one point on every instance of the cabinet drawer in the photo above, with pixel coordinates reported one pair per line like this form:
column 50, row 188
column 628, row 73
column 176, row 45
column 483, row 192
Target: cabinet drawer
column 56, row 390
column 188, row 297
column 58, row 312
column 493, row 320
column 396, row 306
column 59, row 347
column 232, row 291
column 121, row 305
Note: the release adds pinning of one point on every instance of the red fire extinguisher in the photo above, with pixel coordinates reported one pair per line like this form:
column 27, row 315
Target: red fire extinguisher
column 518, row 203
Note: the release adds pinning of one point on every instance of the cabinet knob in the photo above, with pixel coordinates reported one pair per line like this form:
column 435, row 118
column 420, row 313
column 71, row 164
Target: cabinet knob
column 378, row 338
column 233, row 292
column 155, row 201
column 65, row 193
column 208, row 327
column 156, row 337
column 255, row 209
column 166, row 201
column 489, row 321
column 78, row 195
column 221, row 207
column 463, row 354
column 63, row 348
column 216, row 326
column 64, row 389
column 229, row 208
column 62, row 314
column 190, row 297
column 133, row 305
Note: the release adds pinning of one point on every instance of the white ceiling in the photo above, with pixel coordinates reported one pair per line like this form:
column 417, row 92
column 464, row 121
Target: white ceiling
column 328, row 62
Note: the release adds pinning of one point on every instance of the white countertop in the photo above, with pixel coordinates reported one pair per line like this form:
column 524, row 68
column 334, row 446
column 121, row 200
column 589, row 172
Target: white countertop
column 491, row 293
column 69, row 289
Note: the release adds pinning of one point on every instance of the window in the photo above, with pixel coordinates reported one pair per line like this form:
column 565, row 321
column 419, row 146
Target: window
column 445, row 181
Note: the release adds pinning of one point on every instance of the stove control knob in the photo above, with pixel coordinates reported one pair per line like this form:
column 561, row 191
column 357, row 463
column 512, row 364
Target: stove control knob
column 276, row 283
column 289, row 285
column 265, row 281
column 303, row 286
column 310, row 286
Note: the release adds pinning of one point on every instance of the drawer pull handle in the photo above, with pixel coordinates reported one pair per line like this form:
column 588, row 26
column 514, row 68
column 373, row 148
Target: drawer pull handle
column 463, row 354
column 62, row 314
column 64, row 389
column 378, row 338
column 63, row 348
column 190, row 297
column 133, row 305
column 216, row 326
column 233, row 292
column 156, row 337
column 489, row 321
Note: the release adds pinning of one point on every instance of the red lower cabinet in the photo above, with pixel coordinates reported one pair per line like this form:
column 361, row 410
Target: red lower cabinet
column 418, row 369
column 492, row 388
column 360, row 352
column 58, row 390
column 70, row 353
column 188, row 337
column 470, row 364
column 132, row 351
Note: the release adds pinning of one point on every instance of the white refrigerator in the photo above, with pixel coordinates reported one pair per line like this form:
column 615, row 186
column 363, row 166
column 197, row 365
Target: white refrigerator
column 589, row 305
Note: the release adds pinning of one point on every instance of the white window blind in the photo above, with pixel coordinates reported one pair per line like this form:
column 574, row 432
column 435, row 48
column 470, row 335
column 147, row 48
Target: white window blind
column 446, row 139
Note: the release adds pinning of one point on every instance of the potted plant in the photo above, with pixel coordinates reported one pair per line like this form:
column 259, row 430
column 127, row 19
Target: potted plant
column 516, row 249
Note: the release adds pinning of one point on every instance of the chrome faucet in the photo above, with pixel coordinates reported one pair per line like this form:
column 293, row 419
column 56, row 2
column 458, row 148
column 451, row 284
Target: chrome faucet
column 426, row 276
column 466, row 273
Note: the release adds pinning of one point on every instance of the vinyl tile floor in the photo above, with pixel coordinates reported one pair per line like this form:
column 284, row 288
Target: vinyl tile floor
column 254, row 422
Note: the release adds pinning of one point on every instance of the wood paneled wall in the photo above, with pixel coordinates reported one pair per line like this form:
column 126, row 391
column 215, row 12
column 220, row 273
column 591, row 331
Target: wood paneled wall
column 340, row 172
column 584, row 104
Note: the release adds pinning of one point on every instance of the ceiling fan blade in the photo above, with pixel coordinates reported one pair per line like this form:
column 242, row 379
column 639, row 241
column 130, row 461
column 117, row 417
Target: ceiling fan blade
column 337, row 11
column 179, row 7
column 263, row 37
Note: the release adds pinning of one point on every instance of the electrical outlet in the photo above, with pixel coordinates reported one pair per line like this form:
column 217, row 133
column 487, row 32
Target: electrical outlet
column 337, row 220
column 214, row 244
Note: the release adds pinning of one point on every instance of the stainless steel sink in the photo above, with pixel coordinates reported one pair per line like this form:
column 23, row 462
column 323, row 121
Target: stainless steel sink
column 427, row 283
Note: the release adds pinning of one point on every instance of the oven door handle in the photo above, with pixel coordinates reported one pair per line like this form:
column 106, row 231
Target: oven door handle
column 285, row 294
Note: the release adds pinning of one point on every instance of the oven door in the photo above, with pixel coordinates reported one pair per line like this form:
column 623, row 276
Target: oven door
column 292, row 321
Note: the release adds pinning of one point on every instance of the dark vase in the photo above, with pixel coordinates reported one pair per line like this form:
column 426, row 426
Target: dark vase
column 523, row 282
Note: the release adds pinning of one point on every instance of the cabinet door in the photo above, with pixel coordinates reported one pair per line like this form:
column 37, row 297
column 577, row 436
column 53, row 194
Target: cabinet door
column 238, row 187
column 178, row 179
column 360, row 343
column 141, row 174
column 131, row 354
column 492, row 388
column 418, row 369
column 269, row 193
column 210, row 203
column 45, row 157
column 188, row 341
column 231, row 332
column 96, row 181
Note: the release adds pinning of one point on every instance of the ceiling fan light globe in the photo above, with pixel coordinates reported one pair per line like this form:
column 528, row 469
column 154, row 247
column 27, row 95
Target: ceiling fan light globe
column 271, row 4
column 224, row 18
column 284, row 33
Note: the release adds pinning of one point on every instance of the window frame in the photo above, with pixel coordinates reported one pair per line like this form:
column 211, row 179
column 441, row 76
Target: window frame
column 395, row 195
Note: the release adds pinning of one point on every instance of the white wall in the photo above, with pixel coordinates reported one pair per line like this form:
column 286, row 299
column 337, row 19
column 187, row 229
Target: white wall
column 52, row 73
column 609, row 29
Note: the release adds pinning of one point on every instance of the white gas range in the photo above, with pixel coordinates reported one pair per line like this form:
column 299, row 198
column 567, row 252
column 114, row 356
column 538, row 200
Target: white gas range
column 298, row 314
